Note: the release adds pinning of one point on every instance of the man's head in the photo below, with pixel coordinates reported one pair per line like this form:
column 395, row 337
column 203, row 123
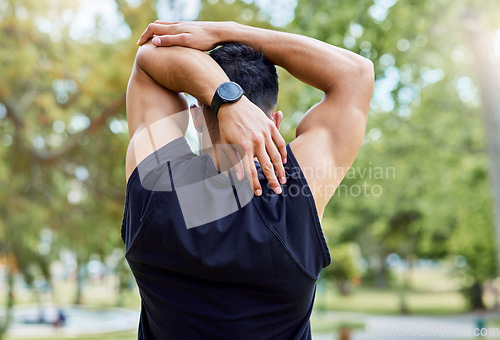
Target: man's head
column 252, row 71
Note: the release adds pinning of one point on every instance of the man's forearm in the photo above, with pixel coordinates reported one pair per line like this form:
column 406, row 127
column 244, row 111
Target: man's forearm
column 312, row 61
column 182, row 69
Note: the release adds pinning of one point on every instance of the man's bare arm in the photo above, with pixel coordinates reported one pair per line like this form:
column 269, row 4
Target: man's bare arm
column 331, row 132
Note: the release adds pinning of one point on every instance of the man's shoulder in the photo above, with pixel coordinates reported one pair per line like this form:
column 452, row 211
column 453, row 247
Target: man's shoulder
column 312, row 152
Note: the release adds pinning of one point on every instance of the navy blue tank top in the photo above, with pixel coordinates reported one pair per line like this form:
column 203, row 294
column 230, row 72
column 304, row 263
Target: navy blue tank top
column 247, row 273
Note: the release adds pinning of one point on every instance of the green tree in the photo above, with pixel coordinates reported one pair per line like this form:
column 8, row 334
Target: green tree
column 347, row 267
column 425, row 123
column 62, row 130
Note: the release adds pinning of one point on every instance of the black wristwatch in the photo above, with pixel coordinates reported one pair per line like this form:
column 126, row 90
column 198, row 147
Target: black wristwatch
column 227, row 92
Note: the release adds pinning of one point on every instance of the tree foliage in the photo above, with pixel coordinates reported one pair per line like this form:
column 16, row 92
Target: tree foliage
column 425, row 123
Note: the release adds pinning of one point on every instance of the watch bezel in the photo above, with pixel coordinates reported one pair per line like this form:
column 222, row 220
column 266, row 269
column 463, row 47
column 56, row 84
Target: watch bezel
column 233, row 99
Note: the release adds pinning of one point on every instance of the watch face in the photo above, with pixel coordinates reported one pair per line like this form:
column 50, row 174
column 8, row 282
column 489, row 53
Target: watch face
column 230, row 91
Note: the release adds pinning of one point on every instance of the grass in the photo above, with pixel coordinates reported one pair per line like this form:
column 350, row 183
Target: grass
column 431, row 292
column 374, row 301
column 322, row 323
column 494, row 323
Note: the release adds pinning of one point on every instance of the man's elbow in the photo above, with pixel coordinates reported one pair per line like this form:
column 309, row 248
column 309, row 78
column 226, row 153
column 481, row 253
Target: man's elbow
column 365, row 72
column 143, row 55
column 362, row 82
column 357, row 73
column 366, row 76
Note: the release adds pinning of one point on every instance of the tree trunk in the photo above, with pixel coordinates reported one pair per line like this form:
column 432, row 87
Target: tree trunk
column 381, row 275
column 9, row 303
column 343, row 287
column 476, row 297
column 406, row 285
column 403, row 306
column 487, row 70
column 80, row 277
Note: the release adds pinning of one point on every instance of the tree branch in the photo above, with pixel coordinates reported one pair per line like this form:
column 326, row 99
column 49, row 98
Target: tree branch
column 95, row 125
column 14, row 116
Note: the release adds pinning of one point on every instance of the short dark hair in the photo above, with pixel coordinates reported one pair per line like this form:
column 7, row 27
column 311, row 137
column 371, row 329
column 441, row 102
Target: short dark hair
column 252, row 71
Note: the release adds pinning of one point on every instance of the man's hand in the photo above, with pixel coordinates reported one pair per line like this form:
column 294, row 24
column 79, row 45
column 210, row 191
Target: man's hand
column 244, row 124
column 200, row 35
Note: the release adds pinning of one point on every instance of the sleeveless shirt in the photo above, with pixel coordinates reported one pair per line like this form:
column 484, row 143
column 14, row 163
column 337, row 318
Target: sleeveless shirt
column 213, row 261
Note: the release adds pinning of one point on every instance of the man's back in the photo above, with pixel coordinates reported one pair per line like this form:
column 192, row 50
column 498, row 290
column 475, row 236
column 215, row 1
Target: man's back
column 249, row 275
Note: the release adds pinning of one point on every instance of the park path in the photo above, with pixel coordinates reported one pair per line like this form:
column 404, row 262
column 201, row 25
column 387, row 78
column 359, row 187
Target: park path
column 386, row 327
column 79, row 321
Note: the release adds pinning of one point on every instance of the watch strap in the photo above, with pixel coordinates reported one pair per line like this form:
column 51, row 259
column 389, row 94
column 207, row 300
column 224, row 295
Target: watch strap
column 217, row 100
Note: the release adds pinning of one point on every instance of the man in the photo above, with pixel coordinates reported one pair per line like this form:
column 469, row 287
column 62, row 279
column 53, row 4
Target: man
column 246, row 266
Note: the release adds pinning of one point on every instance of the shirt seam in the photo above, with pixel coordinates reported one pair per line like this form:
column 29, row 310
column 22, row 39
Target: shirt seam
column 280, row 239
column 312, row 207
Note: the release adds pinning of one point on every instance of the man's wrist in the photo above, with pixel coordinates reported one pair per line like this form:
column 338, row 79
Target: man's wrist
column 225, row 31
column 225, row 110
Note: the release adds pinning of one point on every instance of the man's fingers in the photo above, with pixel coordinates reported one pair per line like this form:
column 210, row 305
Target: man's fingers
column 280, row 143
column 251, row 172
column 156, row 29
column 235, row 161
column 255, row 178
column 268, row 169
column 276, row 160
column 152, row 30
column 171, row 40
column 246, row 167
column 239, row 168
column 163, row 22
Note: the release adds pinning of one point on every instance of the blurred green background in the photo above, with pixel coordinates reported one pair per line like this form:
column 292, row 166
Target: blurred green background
column 412, row 227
